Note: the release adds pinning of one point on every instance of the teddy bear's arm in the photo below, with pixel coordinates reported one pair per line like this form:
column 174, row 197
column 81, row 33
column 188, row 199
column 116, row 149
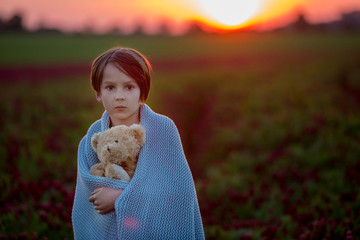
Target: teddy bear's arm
column 117, row 172
column 98, row 170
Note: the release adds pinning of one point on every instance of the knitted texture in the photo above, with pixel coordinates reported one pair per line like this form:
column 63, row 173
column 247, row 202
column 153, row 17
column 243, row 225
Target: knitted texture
column 159, row 202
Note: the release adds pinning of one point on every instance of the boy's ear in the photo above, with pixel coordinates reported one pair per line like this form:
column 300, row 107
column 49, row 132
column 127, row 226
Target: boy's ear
column 98, row 96
column 95, row 140
column 138, row 132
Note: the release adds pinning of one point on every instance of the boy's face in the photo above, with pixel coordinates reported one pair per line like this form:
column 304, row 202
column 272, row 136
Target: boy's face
column 120, row 95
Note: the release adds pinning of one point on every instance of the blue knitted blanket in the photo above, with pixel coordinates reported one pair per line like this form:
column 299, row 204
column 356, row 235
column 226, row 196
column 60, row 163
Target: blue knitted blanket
column 158, row 203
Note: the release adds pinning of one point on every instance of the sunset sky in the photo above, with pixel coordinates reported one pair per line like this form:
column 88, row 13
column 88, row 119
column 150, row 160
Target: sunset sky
column 127, row 15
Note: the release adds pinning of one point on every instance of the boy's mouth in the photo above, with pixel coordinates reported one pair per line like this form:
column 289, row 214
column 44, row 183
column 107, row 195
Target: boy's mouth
column 120, row 107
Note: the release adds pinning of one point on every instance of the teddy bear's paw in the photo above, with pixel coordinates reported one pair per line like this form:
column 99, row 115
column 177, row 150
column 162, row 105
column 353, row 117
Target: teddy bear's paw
column 98, row 170
column 117, row 172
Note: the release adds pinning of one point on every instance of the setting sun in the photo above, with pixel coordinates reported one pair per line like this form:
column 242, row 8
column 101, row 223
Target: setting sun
column 230, row 13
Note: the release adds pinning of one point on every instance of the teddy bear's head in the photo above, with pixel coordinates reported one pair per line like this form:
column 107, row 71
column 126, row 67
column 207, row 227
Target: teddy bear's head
column 119, row 144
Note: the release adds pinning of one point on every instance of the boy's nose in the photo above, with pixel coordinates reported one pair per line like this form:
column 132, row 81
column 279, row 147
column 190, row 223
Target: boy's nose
column 119, row 95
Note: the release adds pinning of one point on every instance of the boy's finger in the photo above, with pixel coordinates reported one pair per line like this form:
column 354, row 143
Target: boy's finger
column 92, row 199
column 95, row 191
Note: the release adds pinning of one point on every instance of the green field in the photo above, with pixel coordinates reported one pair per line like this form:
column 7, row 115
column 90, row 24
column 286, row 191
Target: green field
column 270, row 124
column 19, row 49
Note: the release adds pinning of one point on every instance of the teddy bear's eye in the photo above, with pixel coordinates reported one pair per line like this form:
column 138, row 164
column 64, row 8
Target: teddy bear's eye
column 116, row 141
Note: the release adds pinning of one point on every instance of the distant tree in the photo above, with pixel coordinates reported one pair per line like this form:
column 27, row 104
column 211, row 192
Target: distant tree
column 14, row 24
column 88, row 30
column 195, row 28
column 114, row 31
column 139, row 30
column 164, row 28
column 351, row 21
column 44, row 29
column 2, row 25
column 301, row 24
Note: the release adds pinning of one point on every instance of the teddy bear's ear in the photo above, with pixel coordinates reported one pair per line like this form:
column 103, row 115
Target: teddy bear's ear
column 138, row 132
column 95, row 140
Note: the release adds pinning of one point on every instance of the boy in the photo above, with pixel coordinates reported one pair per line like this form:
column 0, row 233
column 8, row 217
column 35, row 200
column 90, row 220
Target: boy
column 160, row 201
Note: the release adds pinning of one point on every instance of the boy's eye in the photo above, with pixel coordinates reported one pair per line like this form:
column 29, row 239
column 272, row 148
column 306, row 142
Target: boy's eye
column 129, row 87
column 109, row 87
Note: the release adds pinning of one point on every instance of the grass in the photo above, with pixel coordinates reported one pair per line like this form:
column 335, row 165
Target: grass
column 272, row 139
column 35, row 49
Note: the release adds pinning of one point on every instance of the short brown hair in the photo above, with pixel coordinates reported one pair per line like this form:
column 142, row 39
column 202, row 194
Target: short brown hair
column 127, row 60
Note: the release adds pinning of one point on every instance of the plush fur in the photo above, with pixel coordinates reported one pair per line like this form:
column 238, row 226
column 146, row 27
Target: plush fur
column 118, row 150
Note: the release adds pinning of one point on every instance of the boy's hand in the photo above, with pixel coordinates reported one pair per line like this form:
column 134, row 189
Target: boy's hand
column 104, row 199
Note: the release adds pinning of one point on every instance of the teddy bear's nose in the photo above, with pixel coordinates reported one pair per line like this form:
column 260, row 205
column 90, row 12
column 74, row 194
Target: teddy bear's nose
column 116, row 141
column 109, row 149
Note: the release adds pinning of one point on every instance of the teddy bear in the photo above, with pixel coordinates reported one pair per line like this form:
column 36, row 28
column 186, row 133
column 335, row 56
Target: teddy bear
column 118, row 151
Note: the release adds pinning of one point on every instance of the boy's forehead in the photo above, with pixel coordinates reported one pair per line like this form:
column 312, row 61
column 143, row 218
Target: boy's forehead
column 112, row 74
column 112, row 68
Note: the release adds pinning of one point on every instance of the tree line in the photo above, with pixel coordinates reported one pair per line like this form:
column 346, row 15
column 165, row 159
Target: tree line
column 348, row 22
